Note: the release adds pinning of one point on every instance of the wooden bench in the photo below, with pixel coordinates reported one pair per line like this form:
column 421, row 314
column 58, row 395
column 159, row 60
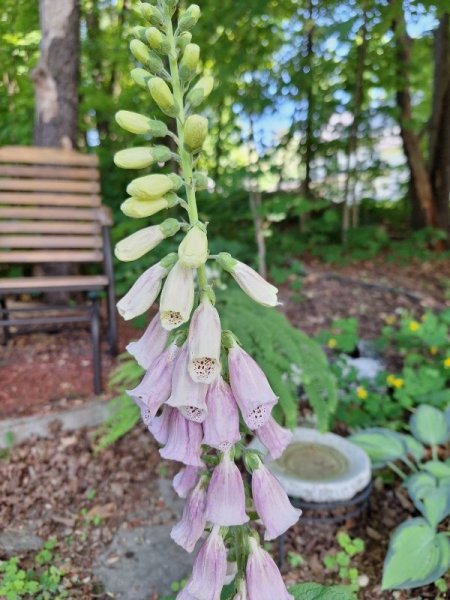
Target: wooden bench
column 51, row 212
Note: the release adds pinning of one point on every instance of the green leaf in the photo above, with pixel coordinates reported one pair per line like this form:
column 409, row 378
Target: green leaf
column 415, row 448
column 431, row 497
column 381, row 445
column 417, row 556
column 437, row 468
column 315, row 591
column 428, row 425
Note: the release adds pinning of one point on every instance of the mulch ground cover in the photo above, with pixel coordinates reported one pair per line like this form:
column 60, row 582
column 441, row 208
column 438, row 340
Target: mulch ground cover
column 60, row 487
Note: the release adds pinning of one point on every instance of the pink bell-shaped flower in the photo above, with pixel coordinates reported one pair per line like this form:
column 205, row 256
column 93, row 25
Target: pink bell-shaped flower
column 189, row 529
column 264, row 581
column 272, row 503
column 185, row 480
column 187, row 395
column 250, row 387
column 184, row 441
column 159, row 426
column 225, row 505
column 210, row 568
column 274, row 437
column 221, row 426
column 204, row 343
column 156, row 385
column 143, row 292
column 150, row 345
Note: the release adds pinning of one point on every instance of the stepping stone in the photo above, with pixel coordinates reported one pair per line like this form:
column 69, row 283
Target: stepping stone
column 14, row 542
column 141, row 562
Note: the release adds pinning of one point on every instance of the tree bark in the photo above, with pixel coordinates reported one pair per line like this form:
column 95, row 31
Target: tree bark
column 352, row 145
column 56, row 75
column 420, row 180
column 439, row 142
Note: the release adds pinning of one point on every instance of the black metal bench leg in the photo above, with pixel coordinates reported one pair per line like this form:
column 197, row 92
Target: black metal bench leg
column 96, row 358
column 4, row 315
column 112, row 321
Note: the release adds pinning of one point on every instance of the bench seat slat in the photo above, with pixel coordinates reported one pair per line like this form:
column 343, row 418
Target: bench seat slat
column 17, row 198
column 55, row 172
column 49, row 185
column 45, row 214
column 49, row 227
column 50, row 241
column 46, row 156
column 49, row 256
column 30, row 284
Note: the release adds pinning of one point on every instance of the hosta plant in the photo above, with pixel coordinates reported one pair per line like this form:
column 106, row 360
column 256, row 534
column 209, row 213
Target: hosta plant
column 419, row 550
column 201, row 392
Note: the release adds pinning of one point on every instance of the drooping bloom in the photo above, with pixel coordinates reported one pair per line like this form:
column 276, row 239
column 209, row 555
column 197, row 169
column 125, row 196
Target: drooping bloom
column 159, row 426
column 210, row 568
column 274, row 437
column 154, row 390
column 143, row 293
column 177, row 297
column 264, row 581
column 193, row 250
column 250, row 387
column 272, row 503
column 204, row 343
column 221, row 426
column 251, row 282
column 185, row 480
column 187, row 395
column 225, row 504
column 150, row 345
column 189, row 529
column 184, row 441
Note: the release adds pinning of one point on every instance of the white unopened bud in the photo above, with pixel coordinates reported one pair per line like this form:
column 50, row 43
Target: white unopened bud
column 177, row 297
column 139, row 243
column 138, row 209
column 249, row 280
column 193, row 250
column 152, row 187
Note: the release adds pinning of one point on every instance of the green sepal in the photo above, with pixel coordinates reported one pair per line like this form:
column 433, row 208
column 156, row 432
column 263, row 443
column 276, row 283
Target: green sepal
column 169, row 260
column 226, row 261
column 169, row 227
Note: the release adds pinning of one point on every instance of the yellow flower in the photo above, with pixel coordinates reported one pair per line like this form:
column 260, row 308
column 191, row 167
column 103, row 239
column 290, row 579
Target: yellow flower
column 390, row 319
column 361, row 392
column 434, row 350
column 447, row 362
column 332, row 343
column 390, row 380
column 414, row 326
column 398, row 382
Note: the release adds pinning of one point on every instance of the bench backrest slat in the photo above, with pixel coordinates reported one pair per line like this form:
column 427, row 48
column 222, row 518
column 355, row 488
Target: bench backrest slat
column 50, row 206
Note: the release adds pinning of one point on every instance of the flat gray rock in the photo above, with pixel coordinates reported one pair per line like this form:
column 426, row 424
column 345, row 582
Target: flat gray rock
column 142, row 561
column 17, row 542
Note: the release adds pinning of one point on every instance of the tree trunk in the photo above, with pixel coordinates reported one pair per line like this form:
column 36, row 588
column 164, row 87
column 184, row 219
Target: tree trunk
column 420, row 180
column 56, row 88
column 439, row 144
column 255, row 201
column 352, row 145
column 57, row 73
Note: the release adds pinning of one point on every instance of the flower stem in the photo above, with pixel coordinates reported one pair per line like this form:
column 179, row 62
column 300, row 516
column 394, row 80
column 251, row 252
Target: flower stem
column 186, row 160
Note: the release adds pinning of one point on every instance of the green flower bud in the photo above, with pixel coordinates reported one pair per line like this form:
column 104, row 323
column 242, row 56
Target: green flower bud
column 141, row 77
column 141, row 157
column 171, row 3
column 201, row 180
column 189, row 18
column 134, row 158
column 139, row 32
column 201, row 90
column 153, row 187
column 189, row 62
column 193, row 250
column 151, row 13
column 184, row 39
column 163, row 97
column 133, row 122
column 157, row 40
column 195, row 132
column 139, row 209
column 146, row 56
